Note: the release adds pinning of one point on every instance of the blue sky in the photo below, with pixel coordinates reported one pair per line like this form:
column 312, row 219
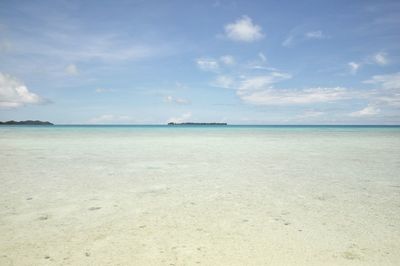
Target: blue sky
column 241, row 62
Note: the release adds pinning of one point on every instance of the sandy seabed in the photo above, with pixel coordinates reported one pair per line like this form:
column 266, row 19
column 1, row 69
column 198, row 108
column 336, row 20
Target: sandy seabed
column 133, row 196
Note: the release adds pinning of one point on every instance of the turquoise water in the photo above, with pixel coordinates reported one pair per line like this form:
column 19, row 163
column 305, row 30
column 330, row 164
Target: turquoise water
column 191, row 195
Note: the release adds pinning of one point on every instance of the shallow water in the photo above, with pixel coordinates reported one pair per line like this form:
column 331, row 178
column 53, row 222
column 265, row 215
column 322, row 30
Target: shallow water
column 158, row 195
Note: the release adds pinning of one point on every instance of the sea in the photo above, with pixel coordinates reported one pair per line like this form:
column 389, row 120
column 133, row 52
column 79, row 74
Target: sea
column 199, row 195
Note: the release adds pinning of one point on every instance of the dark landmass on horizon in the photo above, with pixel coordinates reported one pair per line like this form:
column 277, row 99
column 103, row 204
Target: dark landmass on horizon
column 196, row 124
column 27, row 122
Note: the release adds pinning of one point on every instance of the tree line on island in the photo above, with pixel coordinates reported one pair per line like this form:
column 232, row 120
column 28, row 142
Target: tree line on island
column 27, row 122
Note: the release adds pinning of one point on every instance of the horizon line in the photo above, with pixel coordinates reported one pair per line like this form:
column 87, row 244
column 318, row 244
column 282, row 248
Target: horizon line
column 166, row 124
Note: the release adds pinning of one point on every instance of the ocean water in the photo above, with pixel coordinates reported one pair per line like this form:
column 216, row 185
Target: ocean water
column 234, row 195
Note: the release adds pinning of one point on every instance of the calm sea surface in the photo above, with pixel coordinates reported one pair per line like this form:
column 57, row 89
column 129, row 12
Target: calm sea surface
column 196, row 195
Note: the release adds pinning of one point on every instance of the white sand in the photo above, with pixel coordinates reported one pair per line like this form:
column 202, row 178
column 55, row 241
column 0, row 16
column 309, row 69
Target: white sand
column 199, row 197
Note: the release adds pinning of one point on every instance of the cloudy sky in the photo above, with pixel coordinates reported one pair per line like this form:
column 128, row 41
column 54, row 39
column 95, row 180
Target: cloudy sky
column 241, row 62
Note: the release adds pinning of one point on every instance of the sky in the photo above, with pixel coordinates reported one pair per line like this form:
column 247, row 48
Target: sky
column 240, row 62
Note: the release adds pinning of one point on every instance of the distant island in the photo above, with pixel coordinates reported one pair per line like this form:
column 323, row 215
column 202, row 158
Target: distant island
column 196, row 124
column 27, row 122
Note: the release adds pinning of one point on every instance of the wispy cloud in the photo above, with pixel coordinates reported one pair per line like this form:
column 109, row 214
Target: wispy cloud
column 258, row 86
column 370, row 110
column 5, row 45
column 353, row 66
column 180, row 119
column 104, row 90
column 207, row 64
column 298, row 35
column 56, row 41
column 272, row 96
column 289, row 40
column 223, row 81
column 227, row 60
column 262, row 57
column 111, row 119
column 260, row 63
column 262, row 82
column 381, row 58
column 14, row 93
column 71, row 70
column 108, row 48
column 388, row 82
column 315, row 35
column 310, row 114
column 243, row 30
column 259, row 90
column 388, row 90
column 174, row 100
column 212, row 64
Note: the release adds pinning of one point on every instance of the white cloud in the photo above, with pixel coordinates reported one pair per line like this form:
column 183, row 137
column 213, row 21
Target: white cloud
column 315, row 35
column 207, row 64
column 262, row 82
column 262, row 57
column 259, row 90
column 228, row 60
column 223, row 81
column 214, row 65
column 14, row 93
column 111, row 119
column 5, row 46
column 354, row 67
column 288, row 41
column 216, row 4
column 109, row 52
column 389, row 99
column 243, row 30
column 389, row 91
column 71, row 70
column 103, row 90
column 171, row 99
column 370, row 110
column 64, row 40
column 260, row 63
column 381, row 58
column 183, row 118
column 274, row 96
column 298, row 35
column 310, row 114
column 389, row 81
